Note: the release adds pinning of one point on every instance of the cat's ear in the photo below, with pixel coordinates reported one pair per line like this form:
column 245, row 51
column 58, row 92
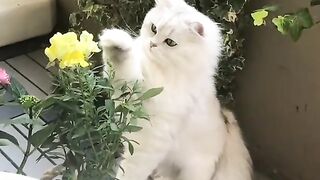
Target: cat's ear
column 197, row 28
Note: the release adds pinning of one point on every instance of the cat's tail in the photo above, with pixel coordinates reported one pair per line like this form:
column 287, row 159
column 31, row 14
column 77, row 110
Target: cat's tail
column 235, row 163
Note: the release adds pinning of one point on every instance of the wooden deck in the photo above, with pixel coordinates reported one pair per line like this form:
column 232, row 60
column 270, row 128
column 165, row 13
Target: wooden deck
column 29, row 70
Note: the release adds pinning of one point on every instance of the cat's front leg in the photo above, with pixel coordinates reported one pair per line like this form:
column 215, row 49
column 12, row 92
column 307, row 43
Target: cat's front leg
column 154, row 144
column 118, row 49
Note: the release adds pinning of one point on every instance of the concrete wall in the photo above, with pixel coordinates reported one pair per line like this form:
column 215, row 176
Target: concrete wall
column 278, row 100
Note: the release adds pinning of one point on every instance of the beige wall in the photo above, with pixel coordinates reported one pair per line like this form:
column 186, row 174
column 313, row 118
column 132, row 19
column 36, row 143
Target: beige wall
column 278, row 100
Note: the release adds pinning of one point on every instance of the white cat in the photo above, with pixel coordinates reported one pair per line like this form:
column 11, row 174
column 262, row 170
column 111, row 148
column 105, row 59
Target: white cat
column 188, row 136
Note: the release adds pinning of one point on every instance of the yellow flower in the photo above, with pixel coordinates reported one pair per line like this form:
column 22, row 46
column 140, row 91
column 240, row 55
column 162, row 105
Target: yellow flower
column 70, row 59
column 69, row 51
column 87, row 43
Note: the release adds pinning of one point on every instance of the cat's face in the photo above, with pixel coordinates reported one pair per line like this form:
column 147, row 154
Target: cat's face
column 173, row 33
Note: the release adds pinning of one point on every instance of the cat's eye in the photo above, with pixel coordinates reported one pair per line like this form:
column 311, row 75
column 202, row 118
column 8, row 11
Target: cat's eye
column 153, row 28
column 170, row 42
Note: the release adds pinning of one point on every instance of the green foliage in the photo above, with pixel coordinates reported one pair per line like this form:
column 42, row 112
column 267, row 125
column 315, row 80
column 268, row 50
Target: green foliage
column 150, row 93
column 28, row 101
column 294, row 24
column 291, row 24
column 231, row 16
column 42, row 135
column 259, row 17
column 16, row 89
column 95, row 112
column 127, row 14
column 6, row 138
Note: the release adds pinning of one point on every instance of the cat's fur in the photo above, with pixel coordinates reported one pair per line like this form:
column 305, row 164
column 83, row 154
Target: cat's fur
column 187, row 137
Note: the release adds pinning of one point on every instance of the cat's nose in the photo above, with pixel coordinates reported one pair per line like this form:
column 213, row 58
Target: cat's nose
column 152, row 44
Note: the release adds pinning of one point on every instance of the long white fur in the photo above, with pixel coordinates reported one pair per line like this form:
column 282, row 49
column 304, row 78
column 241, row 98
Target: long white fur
column 186, row 138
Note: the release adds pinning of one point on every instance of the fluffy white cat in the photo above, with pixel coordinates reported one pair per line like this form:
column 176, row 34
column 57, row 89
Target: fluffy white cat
column 189, row 136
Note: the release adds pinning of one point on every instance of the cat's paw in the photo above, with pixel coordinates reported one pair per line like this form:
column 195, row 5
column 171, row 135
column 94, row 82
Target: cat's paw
column 115, row 39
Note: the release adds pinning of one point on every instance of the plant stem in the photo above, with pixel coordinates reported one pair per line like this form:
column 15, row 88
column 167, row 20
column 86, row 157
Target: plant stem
column 27, row 153
column 91, row 142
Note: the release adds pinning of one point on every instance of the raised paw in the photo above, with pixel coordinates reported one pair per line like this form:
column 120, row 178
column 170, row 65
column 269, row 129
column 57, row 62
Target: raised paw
column 115, row 39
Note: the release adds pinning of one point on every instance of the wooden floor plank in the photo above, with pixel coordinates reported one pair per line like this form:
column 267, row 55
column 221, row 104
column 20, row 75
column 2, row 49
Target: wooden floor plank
column 5, row 165
column 7, row 97
column 39, row 57
column 32, row 71
column 32, row 167
column 8, row 112
column 27, row 84
column 13, row 151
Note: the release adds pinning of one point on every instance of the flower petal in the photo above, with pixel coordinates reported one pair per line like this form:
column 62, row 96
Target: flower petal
column 4, row 77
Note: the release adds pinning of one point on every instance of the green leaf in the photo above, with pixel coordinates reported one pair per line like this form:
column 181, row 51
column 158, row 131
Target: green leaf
column 305, row 18
column 114, row 127
column 132, row 128
column 76, row 18
column 44, row 104
column 5, row 137
column 315, row 2
column 131, row 149
column 259, row 17
column 136, row 87
column 294, row 24
column 79, row 131
column 150, row 93
column 42, row 135
column 17, row 89
column 102, row 126
column 295, row 30
column 110, row 106
column 281, row 24
column 2, row 92
column 4, row 142
column 139, row 113
column 48, row 143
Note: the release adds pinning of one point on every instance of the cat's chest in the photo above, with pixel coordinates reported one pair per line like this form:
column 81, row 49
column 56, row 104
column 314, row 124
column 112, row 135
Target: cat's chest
column 175, row 101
